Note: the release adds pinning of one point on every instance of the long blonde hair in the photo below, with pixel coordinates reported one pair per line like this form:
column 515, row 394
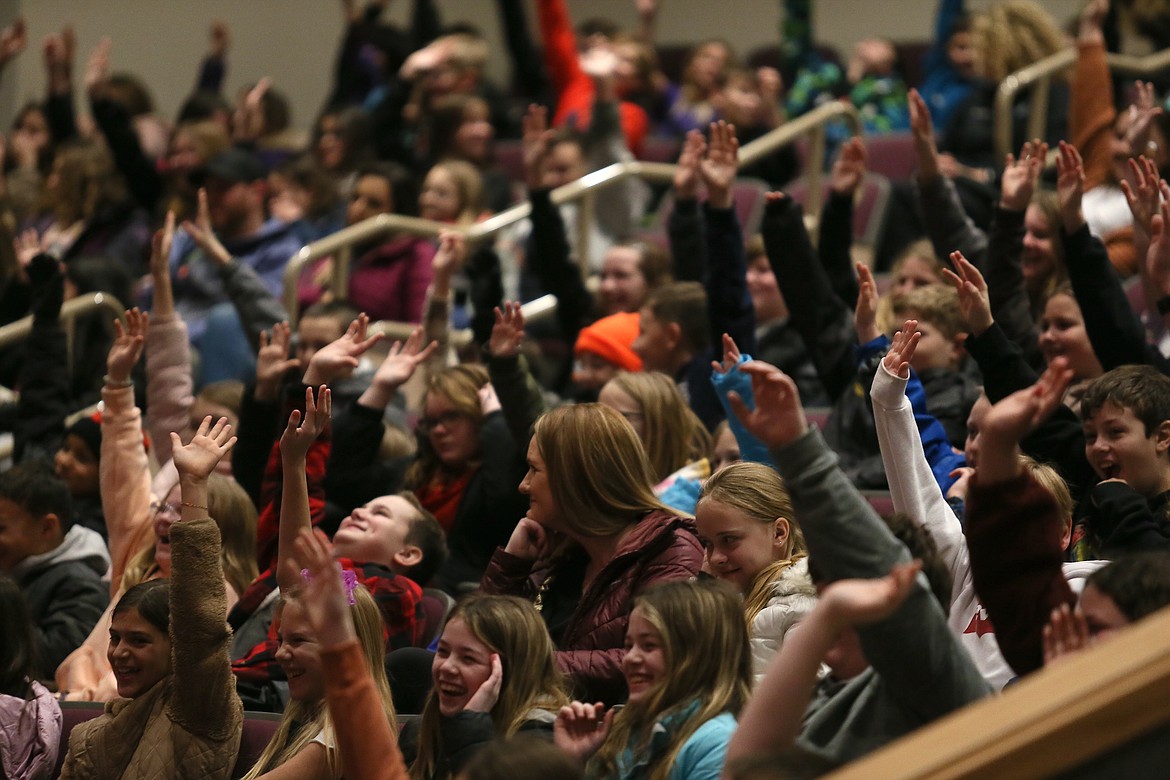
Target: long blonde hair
column 706, row 657
column 235, row 514
column 302, row 721
column 672, row 434
column 511, row 627
column 598, row 474
column 1012, row 35
column 758, row 492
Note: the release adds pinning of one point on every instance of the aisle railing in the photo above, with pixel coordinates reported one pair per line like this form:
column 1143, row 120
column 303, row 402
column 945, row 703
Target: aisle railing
column 1038, row 78
column 340, row 245
column 89, row 303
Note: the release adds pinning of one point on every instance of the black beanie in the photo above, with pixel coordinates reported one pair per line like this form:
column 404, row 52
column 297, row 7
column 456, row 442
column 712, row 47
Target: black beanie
column 89, row 431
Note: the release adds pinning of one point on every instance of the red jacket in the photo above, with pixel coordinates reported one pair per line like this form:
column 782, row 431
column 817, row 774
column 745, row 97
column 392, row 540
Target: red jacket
column 662, row 547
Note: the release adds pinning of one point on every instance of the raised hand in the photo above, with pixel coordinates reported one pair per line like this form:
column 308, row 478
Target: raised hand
column 859, row 601
column 323, row 596
column 865, row 313
column 451, row 255
column 1014, row 417
column 402, row 360
column 720, row 166
column 221, row 39
column 27, row 245
column 686, row 172
column 341, row 356
column 535, row 142
column 849, row 169
column 1144, row 191
column 97, row 70
column 1141, row 117
column 1157, row 265
column 1070, row 187
column 923, row 132
column 58, row 50
column 127, row 347
column 160, row 266
column 13, row 40
column 1066, row 632
column 508, row 332
column 778, row 418
column 273, row 362
column 488, row 693
column 196, row 461
column 581, row 728
column 1020, row 176
column 303, row 430
column 248, row 122
column 974, row 300
column 731, row 356
column 204, row 236
column 901, row 352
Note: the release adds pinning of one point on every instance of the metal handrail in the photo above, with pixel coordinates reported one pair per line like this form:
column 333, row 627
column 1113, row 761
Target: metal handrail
column 70, row 310
column 339, row 243
column 1039, row 74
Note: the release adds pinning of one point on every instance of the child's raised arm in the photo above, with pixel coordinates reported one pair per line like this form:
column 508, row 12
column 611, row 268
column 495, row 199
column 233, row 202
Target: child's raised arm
column 205, row 702
column 774, row 714
column 299, row 435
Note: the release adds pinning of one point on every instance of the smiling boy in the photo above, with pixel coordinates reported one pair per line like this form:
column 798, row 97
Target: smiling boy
column 1126, row 419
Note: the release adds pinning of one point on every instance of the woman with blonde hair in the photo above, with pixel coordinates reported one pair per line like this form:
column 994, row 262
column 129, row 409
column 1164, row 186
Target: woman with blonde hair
column 671, row 433
column 747, row 526
column 594, row 538
column 452, row 192
column 495, row 675
column 688, row 668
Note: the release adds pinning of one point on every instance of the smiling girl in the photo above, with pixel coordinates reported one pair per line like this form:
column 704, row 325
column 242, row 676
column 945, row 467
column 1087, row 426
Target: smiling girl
column 174, row 678
column 688, row 669
column 494, row 675
column 746, row 524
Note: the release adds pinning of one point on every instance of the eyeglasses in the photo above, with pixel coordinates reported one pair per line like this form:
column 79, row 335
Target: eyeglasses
column 446, row 419
column 159, row 508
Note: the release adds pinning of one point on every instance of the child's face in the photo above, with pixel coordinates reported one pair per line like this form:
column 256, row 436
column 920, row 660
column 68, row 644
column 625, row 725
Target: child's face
column 566, row 163
column 738, row 547
column 453, row 435
column 299, row 654
column 591, row 371
column 623, row 287
column 644, row 664
column 21, row 535
column 766, row 298
column 961, row 53
column 974, row 425
column 1038, row 262
column 655, row 343
column 1118, row 447
column 1062, row 332
column 376, row 532
column 474, row 137
column 439, row 199
column 740, row 102
column 726, row 450
column 462, row 664
column 330, row 145
column 1101, row 612
column 77, row 466
column 165, row 515
column 139, row 653
column 914, row 272
column 370, row 197
column 314, row 333
column 935, row 350
column 621, row 402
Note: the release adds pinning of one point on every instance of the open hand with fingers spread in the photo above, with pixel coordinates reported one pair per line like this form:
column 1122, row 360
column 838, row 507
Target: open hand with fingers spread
column 859, row 602
column 901, row 352
column 196, row 460
column 1070, row 187
column 974, row 300
column 719, row 168
column 273, row 361
column 203, row 234
column 508, row 332
column 1066, row 632
column 849, row 169
column 865, row 313
column 686, row 172
column 1157, row 265
column 581, row 728
column 127, row 347
column 303, row 429
column 339, row 357
column 397, row 368
column 1144, row 191
column 1014, row 417
column 778, row 419
column 1020, row 175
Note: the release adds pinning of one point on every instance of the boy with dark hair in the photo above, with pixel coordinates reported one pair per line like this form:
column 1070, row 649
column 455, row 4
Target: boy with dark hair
column 57, row 565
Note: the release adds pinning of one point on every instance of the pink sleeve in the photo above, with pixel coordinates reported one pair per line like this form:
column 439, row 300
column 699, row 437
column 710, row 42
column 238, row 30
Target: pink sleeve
column 169, row 387
column 124, row 480
column 418, row 280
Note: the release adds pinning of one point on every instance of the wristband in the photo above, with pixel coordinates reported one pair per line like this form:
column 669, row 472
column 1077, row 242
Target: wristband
column 192, row 506
column 117, row 383
column 1163, row 305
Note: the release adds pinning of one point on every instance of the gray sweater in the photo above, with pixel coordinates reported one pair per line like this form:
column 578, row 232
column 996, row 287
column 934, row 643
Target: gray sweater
column 918, row 671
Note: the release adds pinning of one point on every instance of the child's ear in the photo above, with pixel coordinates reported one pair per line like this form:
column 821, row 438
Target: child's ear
column 50, row 529
column 673, row 335
column 1162, row 437
column 408, row 556
column 781, row 533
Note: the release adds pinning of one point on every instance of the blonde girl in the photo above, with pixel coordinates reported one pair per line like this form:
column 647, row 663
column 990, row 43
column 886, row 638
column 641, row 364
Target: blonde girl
column 688, row 669
column 748, row 529
column 495, row 674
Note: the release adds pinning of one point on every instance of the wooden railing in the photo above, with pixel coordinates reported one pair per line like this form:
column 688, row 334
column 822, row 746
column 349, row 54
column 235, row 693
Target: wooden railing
column 340, row 244
column 89, row 303
column 1038, row 78
column 1093, row 704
